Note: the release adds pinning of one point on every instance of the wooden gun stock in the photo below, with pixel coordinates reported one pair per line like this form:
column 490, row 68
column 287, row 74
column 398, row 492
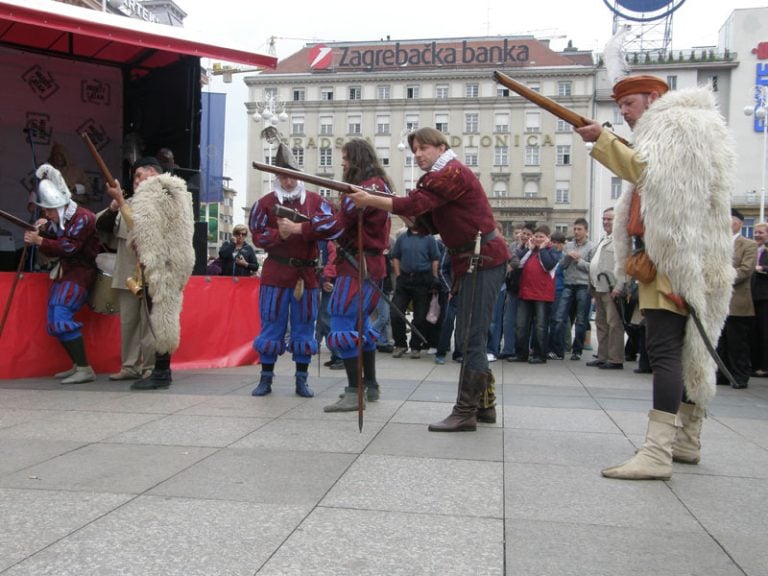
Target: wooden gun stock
column 541, row 101
column 284, row 212
column 99, row 160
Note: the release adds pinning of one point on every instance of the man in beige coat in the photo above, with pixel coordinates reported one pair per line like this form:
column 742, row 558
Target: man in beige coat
column 733, row 346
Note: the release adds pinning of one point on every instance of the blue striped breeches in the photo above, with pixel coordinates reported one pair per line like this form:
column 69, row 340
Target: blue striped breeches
column 277, row 306
column 64, row 300
column 343, row 308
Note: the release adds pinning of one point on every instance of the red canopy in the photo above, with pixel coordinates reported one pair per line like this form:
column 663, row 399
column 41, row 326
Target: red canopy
column 108, row 38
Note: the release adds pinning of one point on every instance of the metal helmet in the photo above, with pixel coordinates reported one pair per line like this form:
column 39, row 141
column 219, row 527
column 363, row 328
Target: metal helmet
column 52, row 191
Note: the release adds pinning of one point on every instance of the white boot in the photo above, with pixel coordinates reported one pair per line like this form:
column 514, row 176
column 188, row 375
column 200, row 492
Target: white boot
column 81, row 375
column 66, row 373
column 687, row 445
column 654, row 460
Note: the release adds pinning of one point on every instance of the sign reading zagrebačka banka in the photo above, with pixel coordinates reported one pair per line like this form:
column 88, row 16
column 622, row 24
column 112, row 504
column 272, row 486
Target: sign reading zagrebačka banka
column 429, row 54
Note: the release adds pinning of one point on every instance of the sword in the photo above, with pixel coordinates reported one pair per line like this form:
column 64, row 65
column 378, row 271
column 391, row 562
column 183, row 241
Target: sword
column 711, row 349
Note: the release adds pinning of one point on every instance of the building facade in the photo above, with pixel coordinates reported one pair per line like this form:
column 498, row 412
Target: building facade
column 529, row 162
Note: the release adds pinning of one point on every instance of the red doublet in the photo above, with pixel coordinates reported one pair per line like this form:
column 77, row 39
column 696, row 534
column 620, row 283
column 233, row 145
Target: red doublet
column 263, row 225
column 459, row 208
column 76, row 248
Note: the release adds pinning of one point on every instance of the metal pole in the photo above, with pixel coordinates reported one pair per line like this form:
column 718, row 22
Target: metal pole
column 764, row 106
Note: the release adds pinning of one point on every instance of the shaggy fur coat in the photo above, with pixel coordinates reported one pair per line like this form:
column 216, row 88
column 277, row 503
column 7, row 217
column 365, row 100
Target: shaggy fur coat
column 686, row 188
column 162, row 235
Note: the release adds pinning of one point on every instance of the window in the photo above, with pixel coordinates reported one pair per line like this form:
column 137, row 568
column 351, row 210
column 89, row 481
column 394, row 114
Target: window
column 383, row 92
column 326, row 157
column 470, row 156
column 502, row 92
column 672, row 82
column 501, row 156
column 712, row 81
column 326, row 125
column 383, row 154
column 297, row 125
column 382, row 124
column 501, row 123
column 532, row 121
column 471, row 122
column 531, row 189
column 354, row 125
column 410, row 159
column 499, row 189
column 298, row 94
column 618, row 119
column 562, row 126
column 564, row 88
column 563, row 229
column 472, row 90
column 531, row 156
column 355, row 93
column 326, row 94
column 441, row 91
column 441, row 122
column 563, row 155
column 270, row 93
column 298, row 154
column 412, row 92
column 325, row 192
column 562, row 193
column 536, row 87
column 616, row 187
column 412, row 122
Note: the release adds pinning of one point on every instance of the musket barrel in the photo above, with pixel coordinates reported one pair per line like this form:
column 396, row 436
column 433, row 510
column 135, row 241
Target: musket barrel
column 17, row 221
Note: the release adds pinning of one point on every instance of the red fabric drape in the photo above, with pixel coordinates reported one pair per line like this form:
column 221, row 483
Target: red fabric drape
column 218, row 323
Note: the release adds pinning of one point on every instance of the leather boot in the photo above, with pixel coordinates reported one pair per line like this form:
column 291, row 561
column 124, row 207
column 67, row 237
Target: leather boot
column 463, row 417
column 654, row 460
column 371, row 391
column 487, row 411
column 302, row 389
column 687, row 446
column 369, row 376
column 265, row 384
column 347, row 403
column 159, row 378
column 81, row 375
column 66, row 373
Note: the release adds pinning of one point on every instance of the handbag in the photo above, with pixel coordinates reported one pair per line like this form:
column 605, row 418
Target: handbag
column 433, row 314
column 640, row 266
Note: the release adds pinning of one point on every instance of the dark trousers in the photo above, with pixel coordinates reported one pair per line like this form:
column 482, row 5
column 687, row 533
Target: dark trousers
column 733, row 348
column 416, row 289
column 760, row 338
column 664, row 334
column 532, row 315
column 446, row 330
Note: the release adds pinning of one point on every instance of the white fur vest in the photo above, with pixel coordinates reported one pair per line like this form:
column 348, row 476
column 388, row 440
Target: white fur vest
column 162, row 234
column 685, row 204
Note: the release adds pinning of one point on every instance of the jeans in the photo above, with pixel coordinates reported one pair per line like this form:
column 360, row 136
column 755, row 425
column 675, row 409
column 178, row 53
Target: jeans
column 381, row 325
column 510, row 324
column 533, row 314
column 581, row 295
column 446, row 330
column 497, row 322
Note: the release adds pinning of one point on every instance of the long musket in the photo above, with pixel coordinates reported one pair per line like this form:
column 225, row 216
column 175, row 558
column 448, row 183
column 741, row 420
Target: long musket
column 17, row 221
column 566, row 114
column 97, row 158
column 294, row 216
column 343, row 187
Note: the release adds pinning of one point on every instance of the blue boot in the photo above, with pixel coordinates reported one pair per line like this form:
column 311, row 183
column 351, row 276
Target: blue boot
column 265, row 384
column 301, row 385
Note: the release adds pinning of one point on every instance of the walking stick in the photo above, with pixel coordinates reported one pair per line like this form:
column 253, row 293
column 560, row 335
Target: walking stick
column 360, row 302
column 16, row 279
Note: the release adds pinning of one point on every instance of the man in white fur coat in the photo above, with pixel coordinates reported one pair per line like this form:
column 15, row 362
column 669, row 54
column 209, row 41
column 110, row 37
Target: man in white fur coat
column 161, row 225
column 681, row 165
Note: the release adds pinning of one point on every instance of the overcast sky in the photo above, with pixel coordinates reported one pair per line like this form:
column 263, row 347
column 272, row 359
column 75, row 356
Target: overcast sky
column 248, row 25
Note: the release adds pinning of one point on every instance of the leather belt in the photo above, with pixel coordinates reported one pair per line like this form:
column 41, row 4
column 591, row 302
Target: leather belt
column 295, row 262
column 471, row 246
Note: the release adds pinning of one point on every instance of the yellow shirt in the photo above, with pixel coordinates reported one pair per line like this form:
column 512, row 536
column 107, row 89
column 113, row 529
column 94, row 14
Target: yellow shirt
column 622, row 161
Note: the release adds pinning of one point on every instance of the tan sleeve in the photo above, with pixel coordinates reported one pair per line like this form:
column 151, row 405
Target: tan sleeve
column 617, row 157
column 127, row 213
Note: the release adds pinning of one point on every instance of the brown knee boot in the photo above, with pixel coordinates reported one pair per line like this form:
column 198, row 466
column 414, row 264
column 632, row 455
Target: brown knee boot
column 463, row 417
column 487, row 410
